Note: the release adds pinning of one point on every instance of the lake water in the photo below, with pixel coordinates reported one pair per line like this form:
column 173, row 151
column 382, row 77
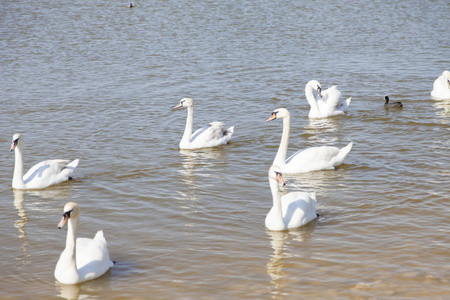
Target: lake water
column 96, row 80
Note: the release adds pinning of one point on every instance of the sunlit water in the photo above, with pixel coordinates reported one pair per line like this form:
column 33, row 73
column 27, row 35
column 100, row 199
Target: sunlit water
column 97, row 81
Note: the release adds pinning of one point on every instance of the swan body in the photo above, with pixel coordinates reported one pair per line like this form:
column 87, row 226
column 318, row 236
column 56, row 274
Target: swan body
column 328, row 103
column 392, row 104
column 41, row 175
column 83, row 259
column 310, row 159
column 441, row 87
column 291, row 210
column 211, row 135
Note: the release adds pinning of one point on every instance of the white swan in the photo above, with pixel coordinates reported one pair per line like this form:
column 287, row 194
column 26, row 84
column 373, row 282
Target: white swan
column 441, row 87
column 310, row 159
column 83, row 259
column 42, row 174
column 328, row 103
column 211, row 135
column 291, row 210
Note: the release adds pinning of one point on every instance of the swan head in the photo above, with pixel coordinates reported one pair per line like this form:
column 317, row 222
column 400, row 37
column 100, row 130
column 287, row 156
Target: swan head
column 275, row 173
column 314, row 84
column 387, row 99
column 71, row 211
column 279, row 113
column 185, row 102
column 16, row 140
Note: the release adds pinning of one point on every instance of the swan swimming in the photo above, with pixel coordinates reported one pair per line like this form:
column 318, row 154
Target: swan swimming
column 328, row 103
column 310, row 159
column 392, row 104
column 83, row 258
column 292, row 210
column 441, row 87
column 211, row 135
column 41, row 175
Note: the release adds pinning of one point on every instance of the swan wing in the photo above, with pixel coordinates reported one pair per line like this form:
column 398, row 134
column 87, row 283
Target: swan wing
column 311, row 159
column 441, row 87
column 298, row 208
column 92, row 257
column 211, row 135
column 49, row 172
column 331, row 102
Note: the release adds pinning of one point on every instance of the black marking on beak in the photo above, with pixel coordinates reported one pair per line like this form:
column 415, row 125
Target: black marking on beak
column 14, row 144
column 273, row 116
column 279, row 175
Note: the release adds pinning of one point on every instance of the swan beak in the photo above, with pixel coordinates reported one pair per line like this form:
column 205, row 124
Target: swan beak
column 273, row 116
column 280, row 179
column 319, row 91
column 177, row 106
column 13, row 145
column 63, row 221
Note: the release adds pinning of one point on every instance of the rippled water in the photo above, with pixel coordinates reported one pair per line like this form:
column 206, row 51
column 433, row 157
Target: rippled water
column 97, row 80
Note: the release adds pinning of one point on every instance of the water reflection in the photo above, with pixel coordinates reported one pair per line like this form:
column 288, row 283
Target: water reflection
column 35, row 199
column 19, row 197
column 317, row 127
column 199, row 162
column 92, row 289
column 70, row 291
column 319, row 182
column 281, row 245
column 196, row 164
column 443, row 110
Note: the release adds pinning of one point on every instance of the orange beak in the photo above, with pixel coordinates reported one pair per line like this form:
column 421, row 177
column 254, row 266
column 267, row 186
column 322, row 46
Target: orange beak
column 63, row 221
column 273, row 116
column 280, row 179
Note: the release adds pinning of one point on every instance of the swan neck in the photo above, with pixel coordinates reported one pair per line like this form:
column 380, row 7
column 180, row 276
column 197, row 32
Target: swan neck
column 280, row 157
column 310, row 97
column 18, row 168
column 189, row 123
column 72, row 231
column 276, row 197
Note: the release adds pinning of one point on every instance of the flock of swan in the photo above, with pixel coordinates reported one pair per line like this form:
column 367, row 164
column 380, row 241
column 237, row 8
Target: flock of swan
column 85, row 259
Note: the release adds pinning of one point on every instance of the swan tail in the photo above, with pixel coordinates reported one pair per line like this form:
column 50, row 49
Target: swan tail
column 73, row 164
column 69, row 168
column 342, row 155
column 99, row 236
column 229, row 131
column 347, row 101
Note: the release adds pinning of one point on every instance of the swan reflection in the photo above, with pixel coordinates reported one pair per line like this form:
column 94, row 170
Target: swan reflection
column 321, row 131
column 19, row 197
column 70, row 291
column 199, row 162
column 282, row 253
column 86, row 290
column 39, row 200
column 322, row 182
column 443, row 110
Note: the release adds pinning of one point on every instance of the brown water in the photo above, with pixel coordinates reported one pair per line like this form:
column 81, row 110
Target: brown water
column 97, row 80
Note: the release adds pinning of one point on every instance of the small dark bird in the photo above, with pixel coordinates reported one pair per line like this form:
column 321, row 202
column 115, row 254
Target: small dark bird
column 393, row 104
column 131, row 5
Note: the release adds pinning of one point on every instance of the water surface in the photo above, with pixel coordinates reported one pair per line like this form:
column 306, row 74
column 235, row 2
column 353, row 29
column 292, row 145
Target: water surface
column 97, row 81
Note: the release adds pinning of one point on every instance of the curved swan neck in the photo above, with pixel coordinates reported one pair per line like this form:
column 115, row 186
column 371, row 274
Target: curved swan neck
column 310, row 96
column 17, row 181
column 189, row 123
column 280, row 157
